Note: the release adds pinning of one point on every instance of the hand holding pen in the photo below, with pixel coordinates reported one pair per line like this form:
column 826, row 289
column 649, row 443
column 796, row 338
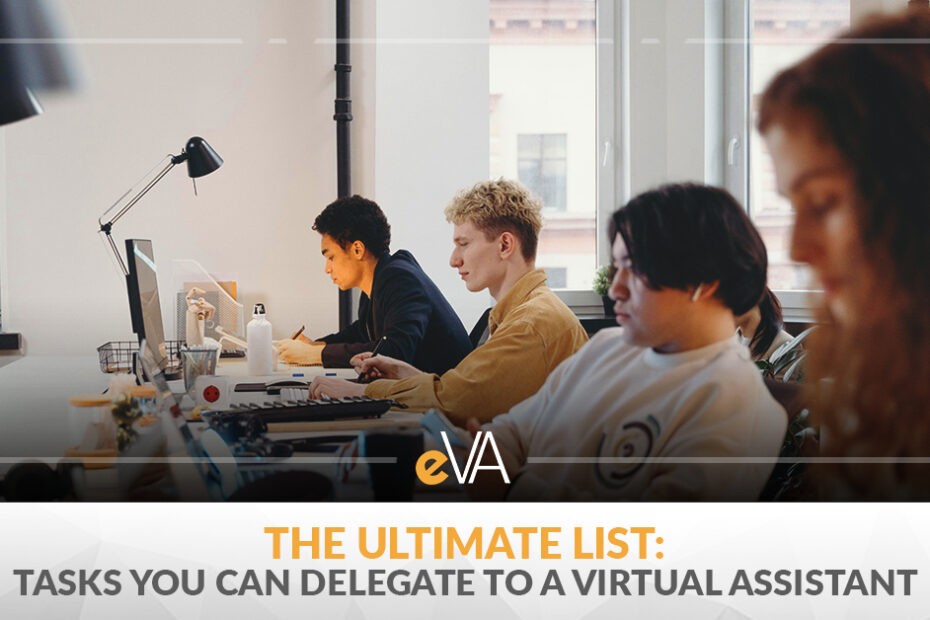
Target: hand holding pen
column 300, row 350
column 373, row 373
column 374, row 366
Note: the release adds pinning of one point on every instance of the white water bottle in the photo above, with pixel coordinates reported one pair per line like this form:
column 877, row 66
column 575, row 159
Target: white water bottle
column 260, row 356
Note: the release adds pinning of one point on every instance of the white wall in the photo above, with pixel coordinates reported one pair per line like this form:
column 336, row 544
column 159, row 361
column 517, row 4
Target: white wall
column 420, row 91
column 157, row 73
column 431, row 127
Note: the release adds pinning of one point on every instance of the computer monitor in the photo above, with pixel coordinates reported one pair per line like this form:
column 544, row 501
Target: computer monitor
column 144, row 304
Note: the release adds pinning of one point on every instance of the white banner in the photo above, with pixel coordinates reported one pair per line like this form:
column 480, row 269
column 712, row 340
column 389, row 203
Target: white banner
column 465, row 561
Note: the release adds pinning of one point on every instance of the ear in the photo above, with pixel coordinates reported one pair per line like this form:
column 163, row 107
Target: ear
column 705, row 290
column 507, row 244
column 358, row 250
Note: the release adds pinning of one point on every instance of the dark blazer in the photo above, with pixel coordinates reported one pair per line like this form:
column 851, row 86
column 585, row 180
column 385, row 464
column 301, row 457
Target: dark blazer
column 407, row 307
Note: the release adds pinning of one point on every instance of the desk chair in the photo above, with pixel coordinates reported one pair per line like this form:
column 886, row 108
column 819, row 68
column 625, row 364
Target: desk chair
column 479, row 333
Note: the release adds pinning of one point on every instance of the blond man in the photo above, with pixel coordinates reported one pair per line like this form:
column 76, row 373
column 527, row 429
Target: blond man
column 496, row 233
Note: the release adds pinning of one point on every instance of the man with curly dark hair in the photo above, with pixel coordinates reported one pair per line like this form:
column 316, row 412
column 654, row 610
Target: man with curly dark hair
column 399, row 302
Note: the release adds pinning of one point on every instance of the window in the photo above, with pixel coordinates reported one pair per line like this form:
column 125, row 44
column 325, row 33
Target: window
column 546, row 99
column 777, row 34
column 781, row 33
column 541, row 167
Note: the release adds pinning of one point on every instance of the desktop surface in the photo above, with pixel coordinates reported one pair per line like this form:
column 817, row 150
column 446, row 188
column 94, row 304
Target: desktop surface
column 34, row 393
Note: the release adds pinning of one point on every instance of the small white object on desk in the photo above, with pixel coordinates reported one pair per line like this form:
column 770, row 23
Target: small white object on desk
column 260, row 355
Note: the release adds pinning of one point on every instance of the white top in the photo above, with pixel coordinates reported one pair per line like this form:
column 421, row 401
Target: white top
column 612, row 399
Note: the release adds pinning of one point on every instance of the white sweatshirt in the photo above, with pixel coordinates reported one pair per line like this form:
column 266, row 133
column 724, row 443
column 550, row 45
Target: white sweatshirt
column 612, row 399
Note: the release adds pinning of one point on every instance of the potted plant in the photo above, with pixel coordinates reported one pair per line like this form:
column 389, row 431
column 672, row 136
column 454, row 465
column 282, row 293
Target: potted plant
column 601, row 285
column 787, row 361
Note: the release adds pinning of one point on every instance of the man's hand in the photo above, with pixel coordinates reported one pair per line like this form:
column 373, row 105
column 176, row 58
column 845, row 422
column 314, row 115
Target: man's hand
column 382, row 367
column 332, row 387
column 299, row 352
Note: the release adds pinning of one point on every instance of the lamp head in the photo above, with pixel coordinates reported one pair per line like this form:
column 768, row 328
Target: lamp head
column 17, row 104
column 31, row 58
column 32, row 54
column 200, row 157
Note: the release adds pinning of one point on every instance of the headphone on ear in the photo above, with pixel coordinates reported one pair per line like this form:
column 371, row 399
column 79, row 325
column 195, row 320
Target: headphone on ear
column 697, row 293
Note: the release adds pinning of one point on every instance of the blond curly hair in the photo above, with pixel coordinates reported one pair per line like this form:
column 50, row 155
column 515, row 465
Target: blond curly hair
column 500, row 206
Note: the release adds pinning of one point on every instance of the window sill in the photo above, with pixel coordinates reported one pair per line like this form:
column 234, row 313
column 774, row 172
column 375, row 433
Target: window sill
column 797, row 306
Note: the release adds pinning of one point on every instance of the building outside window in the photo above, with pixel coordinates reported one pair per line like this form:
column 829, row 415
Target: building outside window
column 541, row 167
column 543, row 106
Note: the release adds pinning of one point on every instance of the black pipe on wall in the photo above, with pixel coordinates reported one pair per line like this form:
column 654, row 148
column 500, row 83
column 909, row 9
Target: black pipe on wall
column 343, row 117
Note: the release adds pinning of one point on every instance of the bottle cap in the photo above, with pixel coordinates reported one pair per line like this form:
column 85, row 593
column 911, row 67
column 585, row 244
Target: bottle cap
column 259, row 310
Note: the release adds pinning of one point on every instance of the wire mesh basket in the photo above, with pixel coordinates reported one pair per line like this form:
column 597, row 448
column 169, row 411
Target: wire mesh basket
column 119, row 355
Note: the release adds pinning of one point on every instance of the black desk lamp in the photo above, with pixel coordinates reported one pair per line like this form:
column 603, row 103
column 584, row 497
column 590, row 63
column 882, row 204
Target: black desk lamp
column 32, row 58
column 16, row 104
column 201, row 160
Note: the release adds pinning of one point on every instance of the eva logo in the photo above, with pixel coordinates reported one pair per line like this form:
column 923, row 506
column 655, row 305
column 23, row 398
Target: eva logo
column 430, row 463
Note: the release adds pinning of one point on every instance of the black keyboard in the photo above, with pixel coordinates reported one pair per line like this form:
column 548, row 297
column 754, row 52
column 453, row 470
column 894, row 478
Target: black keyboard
column 317, row 410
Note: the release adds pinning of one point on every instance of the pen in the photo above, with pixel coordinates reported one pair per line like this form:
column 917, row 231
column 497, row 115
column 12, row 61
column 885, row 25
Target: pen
column 363, row 378
column 378, row 346
column 298, row 332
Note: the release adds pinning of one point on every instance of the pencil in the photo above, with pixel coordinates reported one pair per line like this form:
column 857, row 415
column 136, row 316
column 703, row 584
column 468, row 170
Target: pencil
column 298, row 332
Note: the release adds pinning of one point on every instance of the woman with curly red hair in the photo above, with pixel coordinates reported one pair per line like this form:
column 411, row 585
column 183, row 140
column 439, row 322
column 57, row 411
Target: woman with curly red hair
column 848, row 129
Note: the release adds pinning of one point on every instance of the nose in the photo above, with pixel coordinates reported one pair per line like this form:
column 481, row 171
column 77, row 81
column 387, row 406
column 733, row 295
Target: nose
column 619, row 286
column 803, row 244
column 455, row 260
column 329, row 267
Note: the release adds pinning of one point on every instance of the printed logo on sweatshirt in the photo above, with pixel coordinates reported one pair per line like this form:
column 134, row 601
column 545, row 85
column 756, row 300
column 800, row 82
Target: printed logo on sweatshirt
column 620, row 458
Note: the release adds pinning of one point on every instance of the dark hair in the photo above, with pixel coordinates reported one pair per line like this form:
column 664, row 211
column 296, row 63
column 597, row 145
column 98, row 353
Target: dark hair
column 770, row 324
column 682, row 235
column 356, row 219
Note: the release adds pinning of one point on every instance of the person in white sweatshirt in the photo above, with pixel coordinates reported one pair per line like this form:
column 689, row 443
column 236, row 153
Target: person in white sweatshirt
column 669, row 406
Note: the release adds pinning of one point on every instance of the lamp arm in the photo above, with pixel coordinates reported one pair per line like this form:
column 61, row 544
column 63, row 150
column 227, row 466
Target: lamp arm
column 106, row 227
column 115, row 250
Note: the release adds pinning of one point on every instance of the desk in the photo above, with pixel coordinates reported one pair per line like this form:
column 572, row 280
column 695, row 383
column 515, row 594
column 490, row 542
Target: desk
column 34, row 392
column 238, row 367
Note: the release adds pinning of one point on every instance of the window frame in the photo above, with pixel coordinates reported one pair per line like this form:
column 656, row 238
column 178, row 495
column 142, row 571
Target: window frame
column 612, row 138
column 797, row 305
